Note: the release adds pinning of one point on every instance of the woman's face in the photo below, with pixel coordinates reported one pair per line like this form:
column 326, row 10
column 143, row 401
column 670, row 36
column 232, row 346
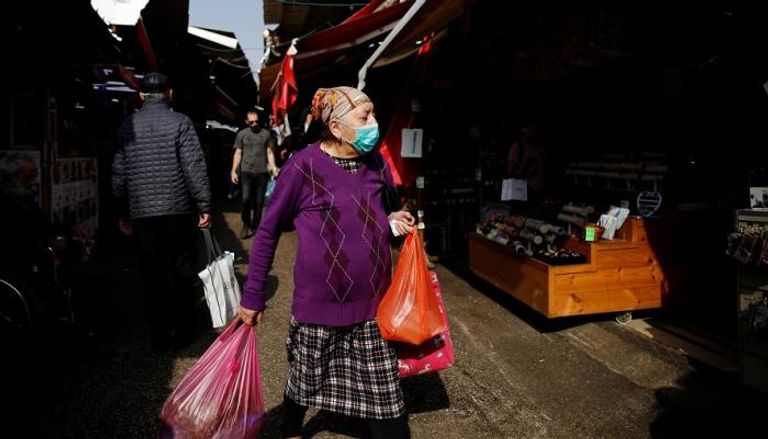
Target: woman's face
column 359, row 116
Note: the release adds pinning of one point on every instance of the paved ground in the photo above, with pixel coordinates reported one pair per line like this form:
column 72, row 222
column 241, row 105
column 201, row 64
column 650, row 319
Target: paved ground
column 516, row 374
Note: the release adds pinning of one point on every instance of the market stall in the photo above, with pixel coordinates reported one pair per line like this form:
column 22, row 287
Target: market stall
column 617, row 276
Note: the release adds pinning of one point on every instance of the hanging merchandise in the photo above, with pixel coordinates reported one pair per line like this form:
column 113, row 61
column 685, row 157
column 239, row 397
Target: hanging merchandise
column 648, row 202
column 286, row 91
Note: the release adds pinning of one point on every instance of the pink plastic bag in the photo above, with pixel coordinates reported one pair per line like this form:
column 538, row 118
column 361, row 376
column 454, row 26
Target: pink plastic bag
column 221, row 395
column 432, row 356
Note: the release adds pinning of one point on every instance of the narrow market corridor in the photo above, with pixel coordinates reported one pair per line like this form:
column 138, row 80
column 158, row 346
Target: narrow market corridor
column 516, row 375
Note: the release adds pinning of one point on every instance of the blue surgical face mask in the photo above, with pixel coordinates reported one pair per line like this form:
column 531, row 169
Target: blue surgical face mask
column 366, row 138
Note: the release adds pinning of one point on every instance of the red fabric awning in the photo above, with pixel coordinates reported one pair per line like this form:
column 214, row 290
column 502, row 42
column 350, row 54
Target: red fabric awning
column 365, row 10
column 319, row 49
column 428, row 23
column 143, row 38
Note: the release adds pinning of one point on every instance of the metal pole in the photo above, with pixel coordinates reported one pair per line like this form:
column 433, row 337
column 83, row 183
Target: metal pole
column 400, row 25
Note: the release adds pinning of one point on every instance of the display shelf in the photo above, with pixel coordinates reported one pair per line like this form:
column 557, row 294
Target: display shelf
column 619, row 276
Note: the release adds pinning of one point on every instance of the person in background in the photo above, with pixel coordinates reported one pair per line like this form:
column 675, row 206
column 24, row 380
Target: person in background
column 331, row 191
column 160, row 172
column 254, row 158
column 527, row 160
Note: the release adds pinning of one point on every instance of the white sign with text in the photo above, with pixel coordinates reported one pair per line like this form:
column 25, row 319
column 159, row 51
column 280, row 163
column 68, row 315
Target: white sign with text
column 411, row 143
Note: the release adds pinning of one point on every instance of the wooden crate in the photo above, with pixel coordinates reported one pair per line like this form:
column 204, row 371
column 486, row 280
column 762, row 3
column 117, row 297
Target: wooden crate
column 619, row 276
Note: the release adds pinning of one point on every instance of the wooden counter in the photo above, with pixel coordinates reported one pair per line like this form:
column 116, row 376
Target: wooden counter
column 622, row 275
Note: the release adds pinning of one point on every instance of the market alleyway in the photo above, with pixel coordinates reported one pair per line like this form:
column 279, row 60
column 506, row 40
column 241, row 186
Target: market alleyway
column 516, row 374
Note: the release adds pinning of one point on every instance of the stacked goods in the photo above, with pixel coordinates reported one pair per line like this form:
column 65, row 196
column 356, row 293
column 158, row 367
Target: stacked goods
column 526, row 236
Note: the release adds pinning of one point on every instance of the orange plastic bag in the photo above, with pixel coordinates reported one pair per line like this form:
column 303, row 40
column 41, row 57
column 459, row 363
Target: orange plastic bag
column 409, row 312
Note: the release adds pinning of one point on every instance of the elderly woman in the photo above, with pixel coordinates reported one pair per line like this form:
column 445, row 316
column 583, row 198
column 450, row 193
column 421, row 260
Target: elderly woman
column 331, row 192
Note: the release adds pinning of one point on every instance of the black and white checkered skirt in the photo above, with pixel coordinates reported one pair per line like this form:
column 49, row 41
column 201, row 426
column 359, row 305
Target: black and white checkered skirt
column 349, row 370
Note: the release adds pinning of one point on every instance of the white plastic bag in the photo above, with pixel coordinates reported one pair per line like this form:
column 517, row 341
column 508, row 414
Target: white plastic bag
column 222, row 291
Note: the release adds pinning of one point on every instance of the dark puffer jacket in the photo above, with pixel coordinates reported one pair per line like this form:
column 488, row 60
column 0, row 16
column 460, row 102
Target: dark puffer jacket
column 159, row 165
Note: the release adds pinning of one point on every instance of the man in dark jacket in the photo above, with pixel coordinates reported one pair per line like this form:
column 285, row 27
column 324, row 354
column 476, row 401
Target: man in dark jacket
column 159, row 168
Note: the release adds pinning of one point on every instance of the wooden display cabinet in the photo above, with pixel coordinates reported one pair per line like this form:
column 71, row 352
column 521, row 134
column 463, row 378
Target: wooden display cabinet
column 620, row 276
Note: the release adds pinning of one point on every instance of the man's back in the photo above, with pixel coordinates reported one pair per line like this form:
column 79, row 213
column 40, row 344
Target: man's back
column 159, row 165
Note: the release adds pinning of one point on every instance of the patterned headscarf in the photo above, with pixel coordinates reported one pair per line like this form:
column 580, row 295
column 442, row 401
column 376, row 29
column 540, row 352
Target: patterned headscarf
column 336, row 102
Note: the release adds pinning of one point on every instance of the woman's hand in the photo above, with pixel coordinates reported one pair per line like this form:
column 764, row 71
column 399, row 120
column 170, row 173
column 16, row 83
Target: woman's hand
column 402, row 222
column 250, row 317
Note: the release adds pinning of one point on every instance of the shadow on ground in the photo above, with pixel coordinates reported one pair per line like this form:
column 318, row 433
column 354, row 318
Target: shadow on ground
column 708, row 403
column 422, row 394
column 109, row 383
column 114, row 388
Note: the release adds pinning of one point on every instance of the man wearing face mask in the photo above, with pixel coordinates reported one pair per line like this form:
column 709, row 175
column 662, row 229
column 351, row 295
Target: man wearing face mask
column 254, row 158
column 331, row 192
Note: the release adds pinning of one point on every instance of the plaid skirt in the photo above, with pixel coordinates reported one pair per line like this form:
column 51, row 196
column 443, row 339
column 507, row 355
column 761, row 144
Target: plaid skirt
column 349, row 370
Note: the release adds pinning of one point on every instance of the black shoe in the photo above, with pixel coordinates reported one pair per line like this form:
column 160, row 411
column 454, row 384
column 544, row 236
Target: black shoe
column 245, row 232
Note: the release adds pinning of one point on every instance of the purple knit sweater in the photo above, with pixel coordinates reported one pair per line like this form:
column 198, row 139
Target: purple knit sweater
column 343, row 262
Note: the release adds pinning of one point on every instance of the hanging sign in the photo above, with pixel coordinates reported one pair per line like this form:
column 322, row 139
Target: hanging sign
column 514, row 189
column 411, row 143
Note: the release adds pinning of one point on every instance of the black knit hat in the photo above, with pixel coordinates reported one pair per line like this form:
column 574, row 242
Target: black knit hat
column 155, row 82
